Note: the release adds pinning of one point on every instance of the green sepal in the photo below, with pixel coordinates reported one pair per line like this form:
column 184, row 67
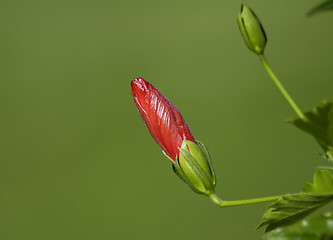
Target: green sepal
column 179, row 172
column 206, row 153
column 199, row 178
column 173, row 161
column 198, row 174
column 194, row 167
column 198, row 155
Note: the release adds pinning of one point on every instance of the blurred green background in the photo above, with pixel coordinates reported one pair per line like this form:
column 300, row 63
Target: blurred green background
column 76, row 161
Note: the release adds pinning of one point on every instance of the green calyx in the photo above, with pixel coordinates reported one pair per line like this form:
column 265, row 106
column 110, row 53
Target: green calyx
column 194, row 167
column 251, row 29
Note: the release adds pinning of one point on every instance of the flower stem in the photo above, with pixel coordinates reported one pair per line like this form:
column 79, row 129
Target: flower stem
column 280, row 86
column 221, row 203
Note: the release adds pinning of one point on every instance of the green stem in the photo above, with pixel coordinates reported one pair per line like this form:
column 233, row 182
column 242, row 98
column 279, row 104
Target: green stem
column 215, row 199
column 280, row 86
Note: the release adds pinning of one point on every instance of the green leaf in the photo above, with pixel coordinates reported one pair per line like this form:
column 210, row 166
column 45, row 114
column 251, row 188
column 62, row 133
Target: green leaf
column 322, row 183
column 323, row 7
column 293, row 207
column 314, row 228
column 319, row 123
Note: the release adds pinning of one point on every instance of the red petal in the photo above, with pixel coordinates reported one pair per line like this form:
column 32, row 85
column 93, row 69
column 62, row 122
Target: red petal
column 161, row 117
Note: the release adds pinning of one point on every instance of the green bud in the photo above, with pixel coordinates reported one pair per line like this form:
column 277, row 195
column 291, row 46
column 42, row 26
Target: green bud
column 195, row 167
column 251, row 29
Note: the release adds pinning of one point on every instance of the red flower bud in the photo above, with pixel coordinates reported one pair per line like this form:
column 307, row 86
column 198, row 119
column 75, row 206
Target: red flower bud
column 161, row 117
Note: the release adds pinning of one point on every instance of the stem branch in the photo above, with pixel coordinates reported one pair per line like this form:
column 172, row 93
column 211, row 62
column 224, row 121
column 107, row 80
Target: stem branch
column 222, row 203
column 280, row 86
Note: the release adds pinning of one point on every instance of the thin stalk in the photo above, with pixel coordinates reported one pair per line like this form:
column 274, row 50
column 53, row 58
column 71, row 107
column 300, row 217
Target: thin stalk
column 221, row 203
column 280, row 86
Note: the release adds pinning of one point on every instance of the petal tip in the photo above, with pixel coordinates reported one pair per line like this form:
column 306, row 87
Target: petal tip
column 138, row 81
column 137, row 84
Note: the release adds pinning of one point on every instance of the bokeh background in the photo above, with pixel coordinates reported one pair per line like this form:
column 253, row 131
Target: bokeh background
column 76, row 161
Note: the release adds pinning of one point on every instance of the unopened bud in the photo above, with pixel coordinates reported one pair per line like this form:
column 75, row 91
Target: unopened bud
column 251, row 29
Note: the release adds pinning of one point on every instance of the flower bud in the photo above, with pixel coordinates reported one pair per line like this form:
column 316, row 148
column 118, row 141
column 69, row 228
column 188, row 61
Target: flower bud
column 251, row 29
column 190, row 158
